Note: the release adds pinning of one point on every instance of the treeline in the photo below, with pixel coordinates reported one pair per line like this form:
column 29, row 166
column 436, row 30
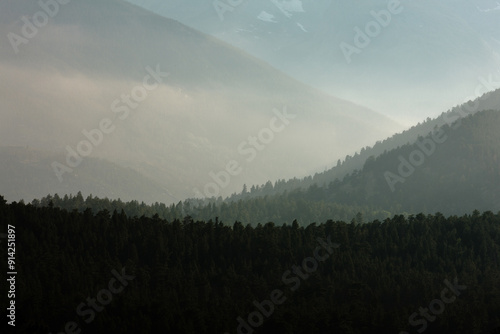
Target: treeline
column 454, row 170
column 187, row 276
column 350, row 163
column 305, row 206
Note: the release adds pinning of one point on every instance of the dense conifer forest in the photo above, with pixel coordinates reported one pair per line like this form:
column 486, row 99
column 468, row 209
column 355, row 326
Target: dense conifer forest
column 109, row 272
column 250, row 167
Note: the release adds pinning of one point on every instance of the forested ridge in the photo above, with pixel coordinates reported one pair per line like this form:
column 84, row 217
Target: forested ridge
column 284, row 208
column 200, row 276
column 356, row 161
column 250, row 166
column 454, row 169
column 355, row 255
column 459, row 173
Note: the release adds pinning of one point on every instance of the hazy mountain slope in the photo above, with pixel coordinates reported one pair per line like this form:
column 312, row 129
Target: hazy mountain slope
column 27, row 174
column 459, row 172
column 488, row 101
column 454, row 170
column 357, row 160
column 80, row 68
column 399, row 70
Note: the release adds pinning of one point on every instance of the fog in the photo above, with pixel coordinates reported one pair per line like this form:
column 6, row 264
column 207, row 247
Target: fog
column 207, row 105
column 414, row 63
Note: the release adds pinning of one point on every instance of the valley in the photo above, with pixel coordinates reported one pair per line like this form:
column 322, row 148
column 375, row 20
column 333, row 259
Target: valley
column 264, row 166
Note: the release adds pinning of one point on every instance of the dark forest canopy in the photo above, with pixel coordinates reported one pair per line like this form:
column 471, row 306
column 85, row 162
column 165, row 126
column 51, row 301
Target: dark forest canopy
column 200, row 276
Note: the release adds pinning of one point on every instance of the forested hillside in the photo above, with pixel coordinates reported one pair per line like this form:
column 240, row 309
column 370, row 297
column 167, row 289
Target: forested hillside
column 453, row 170
column 356, row 161
column 279, row 209
column 186, row 276
column 250, row 167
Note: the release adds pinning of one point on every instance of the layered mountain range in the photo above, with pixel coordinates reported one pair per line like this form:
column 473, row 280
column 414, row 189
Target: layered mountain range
column 113, row 100
column 109, row 80
column 449, row 165
column 394, row 56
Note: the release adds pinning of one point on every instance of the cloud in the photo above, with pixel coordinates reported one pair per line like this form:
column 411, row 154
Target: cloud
column 490, row 9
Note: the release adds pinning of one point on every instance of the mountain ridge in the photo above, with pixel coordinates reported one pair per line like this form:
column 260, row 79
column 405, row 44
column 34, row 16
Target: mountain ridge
column 71, row 73
column 454, row 169
column 356, row 161
column 450, row 43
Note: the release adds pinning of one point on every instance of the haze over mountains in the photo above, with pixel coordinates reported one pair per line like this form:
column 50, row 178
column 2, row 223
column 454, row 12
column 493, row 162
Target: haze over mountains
column 400, row 69
column 356, row 161
column 107, row 88
column 449, row 165
column 27, row 174
column 197, row 186
column 194, row 186
column 85, row 72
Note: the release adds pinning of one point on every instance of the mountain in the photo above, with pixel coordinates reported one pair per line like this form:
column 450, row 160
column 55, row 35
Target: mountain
column 356, row 161
column 109, row 80
column 26, row 174
column 452, row 170
column 449, row 164
column 393, row 59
